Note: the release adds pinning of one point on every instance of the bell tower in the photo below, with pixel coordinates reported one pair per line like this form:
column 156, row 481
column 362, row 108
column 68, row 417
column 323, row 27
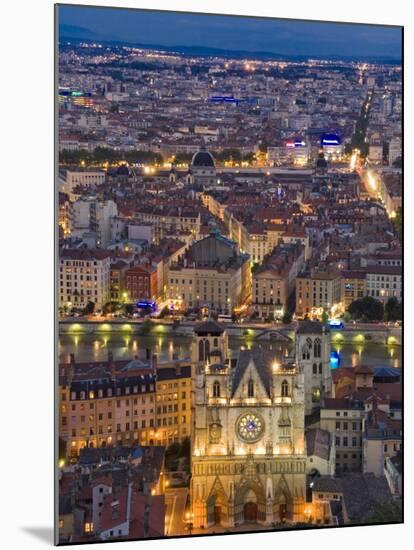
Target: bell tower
column 313, row 353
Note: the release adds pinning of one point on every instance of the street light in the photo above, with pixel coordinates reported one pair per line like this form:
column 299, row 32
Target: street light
column 189, row 522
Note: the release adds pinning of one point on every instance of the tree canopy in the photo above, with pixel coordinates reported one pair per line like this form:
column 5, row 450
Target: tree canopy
column 367, row 308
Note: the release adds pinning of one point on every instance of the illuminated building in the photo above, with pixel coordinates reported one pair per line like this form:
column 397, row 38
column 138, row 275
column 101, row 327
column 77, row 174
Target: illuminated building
column 317, row 291
column 384, row 282
column 78, row 98
column 106, row 404
column 82, row 178
column 212, row 274
column 353, row 287
column 274, row 280
column 202, row 171
column 173, row 403
column 331, row 145
column 84, row 276
column 248, row 458
column 141, row 282
column 313, row 355
column 169, row 221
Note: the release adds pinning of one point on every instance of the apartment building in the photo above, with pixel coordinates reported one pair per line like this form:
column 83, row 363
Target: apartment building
column 274, row 281
column 317, row 291
column 384, row 282
column 173, row 403
column 84, row 276
column 141, row 282
column 212, row 274
column 343, row 419
column 353, row 287
column 106, row 404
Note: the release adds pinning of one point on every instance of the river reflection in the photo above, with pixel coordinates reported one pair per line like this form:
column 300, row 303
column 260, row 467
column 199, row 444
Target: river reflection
column 93, row 347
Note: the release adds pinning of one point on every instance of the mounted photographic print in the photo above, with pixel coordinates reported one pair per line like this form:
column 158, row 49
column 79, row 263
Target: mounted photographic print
column 228, row 274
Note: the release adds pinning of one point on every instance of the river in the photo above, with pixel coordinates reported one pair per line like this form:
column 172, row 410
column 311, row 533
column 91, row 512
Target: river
column 92, row 347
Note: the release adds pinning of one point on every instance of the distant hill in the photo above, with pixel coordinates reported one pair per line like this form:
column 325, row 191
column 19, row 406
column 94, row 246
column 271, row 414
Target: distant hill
column 75, row 33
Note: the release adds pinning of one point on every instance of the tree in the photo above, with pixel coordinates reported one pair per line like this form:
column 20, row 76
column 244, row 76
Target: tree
column 325, row 317
column 367, row 308
column 128, row 309
column 183, row 158
column 164, row 312
column 89, row 308
column 287, row 317
column 393, row 310
column 110, row 307
column 386, row 512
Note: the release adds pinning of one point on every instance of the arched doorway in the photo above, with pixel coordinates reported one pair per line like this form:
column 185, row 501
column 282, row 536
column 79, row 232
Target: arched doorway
column 283, row 506
column 250, row 506
column 217, row 512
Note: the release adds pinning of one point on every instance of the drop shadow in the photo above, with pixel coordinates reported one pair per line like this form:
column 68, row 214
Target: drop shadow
column 44, row 534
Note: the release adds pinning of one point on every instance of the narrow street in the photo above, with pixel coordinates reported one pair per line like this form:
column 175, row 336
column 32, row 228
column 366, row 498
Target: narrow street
column 175, row 500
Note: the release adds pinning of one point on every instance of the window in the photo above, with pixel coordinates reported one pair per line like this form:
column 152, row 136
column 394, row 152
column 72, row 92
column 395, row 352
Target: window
column 216, row 389
column 250, row 388
column 317, row 347
column 88, row 527
column 314, row 368
column 285, row 388
column 316, row 395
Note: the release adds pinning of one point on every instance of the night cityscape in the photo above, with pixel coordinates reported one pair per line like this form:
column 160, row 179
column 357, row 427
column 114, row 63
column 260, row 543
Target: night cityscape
column 229, row 279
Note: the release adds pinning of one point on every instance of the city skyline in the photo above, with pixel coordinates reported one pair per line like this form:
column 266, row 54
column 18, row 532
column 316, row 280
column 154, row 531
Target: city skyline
column 230, row 282
column 295, row 38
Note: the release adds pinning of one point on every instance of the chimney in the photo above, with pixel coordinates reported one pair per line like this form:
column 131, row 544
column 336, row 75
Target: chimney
column 112, row 366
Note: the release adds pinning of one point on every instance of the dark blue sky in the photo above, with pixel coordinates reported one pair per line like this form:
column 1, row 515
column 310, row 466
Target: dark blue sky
column 231, row 33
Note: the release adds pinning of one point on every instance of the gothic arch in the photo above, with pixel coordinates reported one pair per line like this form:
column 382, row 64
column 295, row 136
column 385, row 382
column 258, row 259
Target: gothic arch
column 217, row 504
column 247, row 492
column 283, row 502
column 317, row 347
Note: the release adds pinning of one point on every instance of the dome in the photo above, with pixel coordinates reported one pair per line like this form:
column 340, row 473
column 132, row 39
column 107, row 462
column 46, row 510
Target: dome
column 123, row 170
column 203, row 158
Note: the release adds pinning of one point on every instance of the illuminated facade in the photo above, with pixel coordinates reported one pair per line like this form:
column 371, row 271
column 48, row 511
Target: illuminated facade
column 173, row 404
column 106, row 404
column 316, row 292
column 249, row 462
column 84, row 276
column 123, row 403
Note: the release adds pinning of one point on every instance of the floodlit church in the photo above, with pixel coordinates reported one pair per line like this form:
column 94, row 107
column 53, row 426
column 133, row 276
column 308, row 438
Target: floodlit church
column 249, row 457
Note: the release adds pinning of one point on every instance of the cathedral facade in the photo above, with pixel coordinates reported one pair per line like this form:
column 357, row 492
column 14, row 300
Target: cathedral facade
column 248, row 457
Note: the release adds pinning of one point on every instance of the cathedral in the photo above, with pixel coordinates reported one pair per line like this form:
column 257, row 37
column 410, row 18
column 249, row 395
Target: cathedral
column 249, row 456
